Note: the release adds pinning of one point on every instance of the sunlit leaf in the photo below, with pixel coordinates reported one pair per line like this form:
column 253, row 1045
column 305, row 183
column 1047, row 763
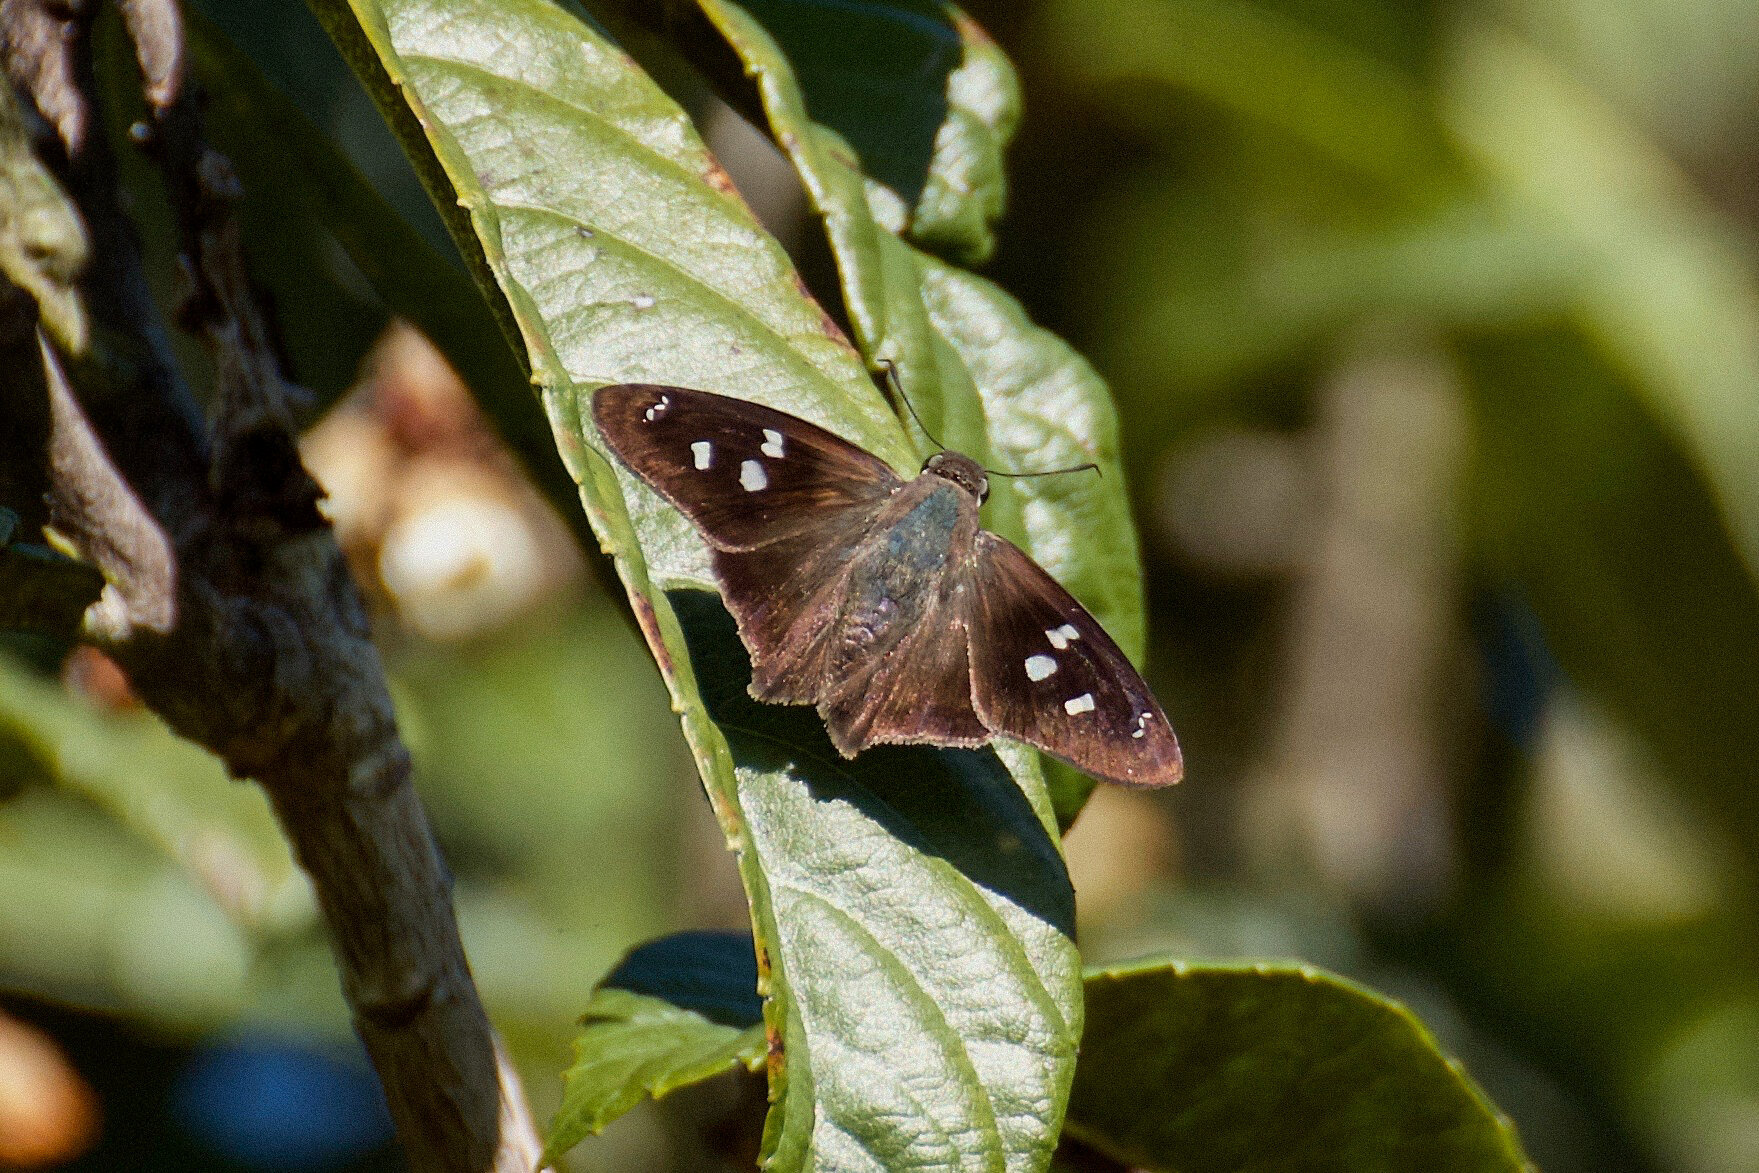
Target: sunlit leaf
column 982, row 376
column 918, row 881
column 923, row 99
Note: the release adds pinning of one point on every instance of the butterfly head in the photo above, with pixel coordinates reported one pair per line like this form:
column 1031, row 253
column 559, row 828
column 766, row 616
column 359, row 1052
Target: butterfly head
column 962, row 471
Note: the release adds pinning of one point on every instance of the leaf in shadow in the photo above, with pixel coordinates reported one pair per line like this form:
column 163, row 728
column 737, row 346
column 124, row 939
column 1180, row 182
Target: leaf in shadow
column 1281, row 1067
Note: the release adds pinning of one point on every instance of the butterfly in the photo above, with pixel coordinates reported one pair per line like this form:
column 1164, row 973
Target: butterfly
column 880, row 600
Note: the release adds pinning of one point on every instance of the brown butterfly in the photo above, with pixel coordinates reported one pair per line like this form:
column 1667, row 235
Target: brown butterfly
column 880, row 600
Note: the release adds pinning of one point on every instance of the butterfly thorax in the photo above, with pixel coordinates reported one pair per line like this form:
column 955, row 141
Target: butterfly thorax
column 962, row 471
column 904, row 570
column 919, row 540
column 910, row 561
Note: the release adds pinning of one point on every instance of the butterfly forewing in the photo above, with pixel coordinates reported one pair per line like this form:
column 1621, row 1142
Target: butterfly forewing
column 747, row 475
column 1045, row 672
column 881, row 601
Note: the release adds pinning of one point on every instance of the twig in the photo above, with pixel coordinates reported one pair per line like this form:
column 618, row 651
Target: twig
column 230, row 605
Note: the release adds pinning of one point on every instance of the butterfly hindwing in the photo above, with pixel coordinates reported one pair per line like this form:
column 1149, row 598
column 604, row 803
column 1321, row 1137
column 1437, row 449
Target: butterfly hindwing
column 880, row 601
column 787, row 596
column 1045, row 672
column 918, row 694
column 745, row 474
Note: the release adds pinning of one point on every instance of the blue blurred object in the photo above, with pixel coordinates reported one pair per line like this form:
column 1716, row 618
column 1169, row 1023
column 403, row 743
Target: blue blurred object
column 273, row 1104
column 1519, row 669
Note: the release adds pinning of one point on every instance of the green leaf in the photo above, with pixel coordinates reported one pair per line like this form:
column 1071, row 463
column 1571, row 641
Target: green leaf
column 708, row 973
column 910, row 908
column 676, row 1012
column 924, row 100
column 1273, row 1067
column 985, row 380
column 927, row 920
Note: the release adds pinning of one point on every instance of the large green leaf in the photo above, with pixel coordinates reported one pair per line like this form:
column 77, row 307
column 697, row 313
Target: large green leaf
column 984, row 378
column 911, row 910
column 1184, row 1067
column 924, row 100
column 1272, row 1067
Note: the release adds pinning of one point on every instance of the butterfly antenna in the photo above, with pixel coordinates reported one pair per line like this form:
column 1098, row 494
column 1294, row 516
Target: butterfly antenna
column 898, row 390
column 1050, row 472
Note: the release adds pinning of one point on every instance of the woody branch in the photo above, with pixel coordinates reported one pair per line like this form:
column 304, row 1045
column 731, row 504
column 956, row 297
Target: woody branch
column 227, row 600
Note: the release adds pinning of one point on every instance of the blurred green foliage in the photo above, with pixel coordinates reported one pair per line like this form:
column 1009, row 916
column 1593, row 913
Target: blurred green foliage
column 1538, row 214
column 1551, row 200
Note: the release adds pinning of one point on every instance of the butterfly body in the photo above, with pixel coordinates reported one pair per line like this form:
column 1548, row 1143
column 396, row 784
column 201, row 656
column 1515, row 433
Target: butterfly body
column 881, row 600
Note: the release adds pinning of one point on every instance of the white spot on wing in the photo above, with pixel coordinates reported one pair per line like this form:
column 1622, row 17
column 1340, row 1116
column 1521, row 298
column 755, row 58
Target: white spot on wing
column 772, row 443
column 752, row 477
column 702, row 453
column 657, row 410
column 1142, row 720
column 1039, row 666
column 1079, row 704
column 1061, row 637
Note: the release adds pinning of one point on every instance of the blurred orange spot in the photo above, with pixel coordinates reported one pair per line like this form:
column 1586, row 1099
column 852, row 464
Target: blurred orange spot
column 95, row 676
column 48, row 1114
